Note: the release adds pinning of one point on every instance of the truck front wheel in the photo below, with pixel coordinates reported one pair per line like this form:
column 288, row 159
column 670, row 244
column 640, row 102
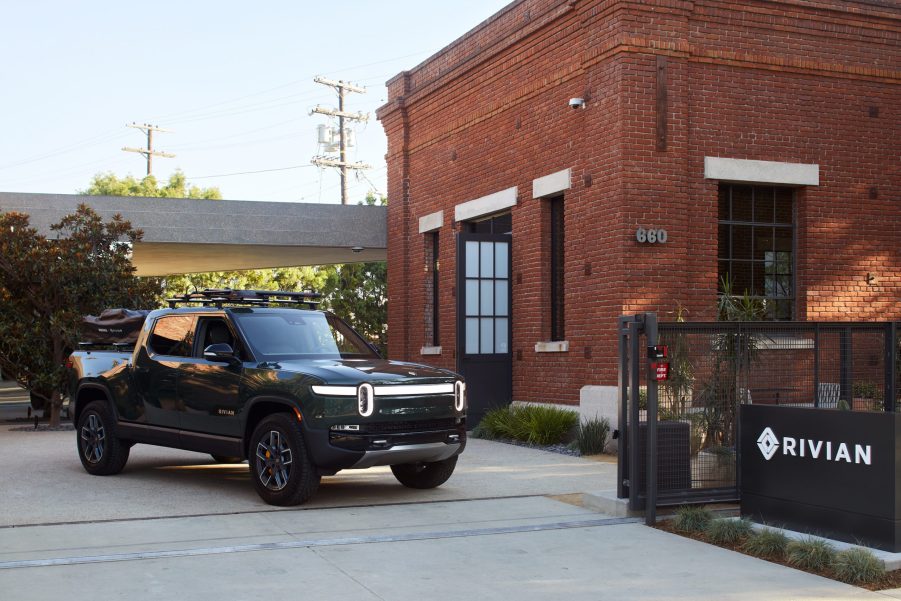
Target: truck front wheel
column 100, row 450
column 279, row 464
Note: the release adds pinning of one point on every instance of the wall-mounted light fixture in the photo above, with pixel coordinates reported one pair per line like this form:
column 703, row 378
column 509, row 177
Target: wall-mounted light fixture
column 357, row 249
column 872, row 280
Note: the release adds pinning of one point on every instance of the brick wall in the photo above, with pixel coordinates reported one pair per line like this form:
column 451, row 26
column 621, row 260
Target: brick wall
column 802, row 81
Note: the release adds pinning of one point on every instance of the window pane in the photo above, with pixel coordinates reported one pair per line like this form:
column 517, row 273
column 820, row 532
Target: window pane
column 487, row 337
column 763, row 242
column 783, row 236
column 501, row 258
column 725, row 214
column 487, row 261
column 173, row 336
column 472, row 259
column 723, row 242
column 472, row 336
column 758, row 278
column 722, row 272
column 784, row 197
column 741, row 277
column 741, row 203
column 486, row 304
column 763, row 205
column 741, row 242
column 472, row 297
column 501, row 298
column 500, row 336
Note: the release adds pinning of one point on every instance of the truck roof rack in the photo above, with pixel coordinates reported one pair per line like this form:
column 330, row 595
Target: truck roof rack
column 247, row 298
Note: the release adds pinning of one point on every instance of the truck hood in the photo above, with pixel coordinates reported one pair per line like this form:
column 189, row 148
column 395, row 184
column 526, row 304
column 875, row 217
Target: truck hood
column 356, row 371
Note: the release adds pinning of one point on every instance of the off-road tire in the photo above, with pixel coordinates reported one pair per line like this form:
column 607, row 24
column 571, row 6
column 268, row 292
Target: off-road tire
column 424, row 475
column 101, row 451
column 227, row 458
column 280, row 466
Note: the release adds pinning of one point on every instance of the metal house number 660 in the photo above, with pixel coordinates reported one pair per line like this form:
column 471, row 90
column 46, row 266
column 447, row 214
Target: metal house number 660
column 651, row 236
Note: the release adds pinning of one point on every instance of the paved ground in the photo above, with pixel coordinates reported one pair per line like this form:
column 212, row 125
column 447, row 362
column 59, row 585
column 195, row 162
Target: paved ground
column 491, row 533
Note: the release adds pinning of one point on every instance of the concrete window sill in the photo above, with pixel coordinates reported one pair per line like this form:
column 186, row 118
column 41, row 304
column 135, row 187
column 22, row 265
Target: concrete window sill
column 430, row 350
column 557, row 346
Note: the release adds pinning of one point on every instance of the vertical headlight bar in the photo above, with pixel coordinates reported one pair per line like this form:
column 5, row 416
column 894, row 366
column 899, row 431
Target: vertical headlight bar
column 459, row 395
column 365, row 400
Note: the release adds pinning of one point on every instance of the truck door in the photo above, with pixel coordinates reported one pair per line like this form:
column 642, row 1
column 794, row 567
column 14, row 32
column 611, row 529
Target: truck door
column 168, row 349
column 210, row 391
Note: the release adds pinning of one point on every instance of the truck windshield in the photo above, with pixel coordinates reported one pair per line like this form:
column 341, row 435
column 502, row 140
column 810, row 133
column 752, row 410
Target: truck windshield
column 294, row 334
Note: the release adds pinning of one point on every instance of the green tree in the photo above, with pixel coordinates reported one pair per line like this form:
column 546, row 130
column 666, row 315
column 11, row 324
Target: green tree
column 108, row 184
column 48, row 285
column 358, row 292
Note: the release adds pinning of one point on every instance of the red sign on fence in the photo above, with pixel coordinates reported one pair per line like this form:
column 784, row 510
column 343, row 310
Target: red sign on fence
column 661, row 371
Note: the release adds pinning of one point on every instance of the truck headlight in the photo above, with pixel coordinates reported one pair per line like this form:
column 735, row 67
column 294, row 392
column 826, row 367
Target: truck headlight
column 459, row 395
column 365, row 400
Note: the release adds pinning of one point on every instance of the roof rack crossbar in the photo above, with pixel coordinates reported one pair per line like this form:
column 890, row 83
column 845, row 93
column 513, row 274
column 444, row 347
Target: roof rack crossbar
column 256, row 298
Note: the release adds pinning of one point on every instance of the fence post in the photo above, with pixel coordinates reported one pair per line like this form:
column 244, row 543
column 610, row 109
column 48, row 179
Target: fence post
column 622, row 468
column 891, row 365
column 635, row 328
column 845, row 376
column 650, row 514
column 816, row 365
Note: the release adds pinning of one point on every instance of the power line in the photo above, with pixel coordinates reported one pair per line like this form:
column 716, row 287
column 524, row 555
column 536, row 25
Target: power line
column 250, row 172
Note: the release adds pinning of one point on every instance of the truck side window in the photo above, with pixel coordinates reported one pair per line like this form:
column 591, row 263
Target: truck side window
column 173, row 335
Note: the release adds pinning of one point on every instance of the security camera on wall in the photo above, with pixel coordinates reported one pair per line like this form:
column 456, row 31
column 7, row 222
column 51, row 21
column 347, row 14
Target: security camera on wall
column 577, row 103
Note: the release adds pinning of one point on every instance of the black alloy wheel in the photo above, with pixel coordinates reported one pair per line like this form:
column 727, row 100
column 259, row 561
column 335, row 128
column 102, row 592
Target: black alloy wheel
column 279, row 464
column 101, row 452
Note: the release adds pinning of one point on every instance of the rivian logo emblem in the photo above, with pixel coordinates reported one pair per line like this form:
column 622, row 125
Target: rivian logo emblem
column 768, row 443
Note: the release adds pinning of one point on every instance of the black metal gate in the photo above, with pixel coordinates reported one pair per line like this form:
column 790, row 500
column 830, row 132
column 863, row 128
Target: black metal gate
column 683, row 448
column 484, row 325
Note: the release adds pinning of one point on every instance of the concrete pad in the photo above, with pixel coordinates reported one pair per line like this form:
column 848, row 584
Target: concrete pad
column 47, row 484
column 616, row 561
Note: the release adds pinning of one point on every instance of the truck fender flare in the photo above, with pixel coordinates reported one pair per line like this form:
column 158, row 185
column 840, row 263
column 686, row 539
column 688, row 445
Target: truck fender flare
column 78, row 404
column 291, row 406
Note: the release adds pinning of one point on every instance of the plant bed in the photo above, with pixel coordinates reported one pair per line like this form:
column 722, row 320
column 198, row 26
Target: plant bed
column 889, row 581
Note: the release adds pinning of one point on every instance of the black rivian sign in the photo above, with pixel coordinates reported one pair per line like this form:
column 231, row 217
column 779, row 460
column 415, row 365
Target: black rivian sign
column 823, row 471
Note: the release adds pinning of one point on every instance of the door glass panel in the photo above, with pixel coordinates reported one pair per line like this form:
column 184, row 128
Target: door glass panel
column 500, row 336
column 472, row 297
column 472, row 259
column 487, row 262
column 472, row 336
column 501, row 259
column 487, row 335
column 487, row 298
column 500, row 297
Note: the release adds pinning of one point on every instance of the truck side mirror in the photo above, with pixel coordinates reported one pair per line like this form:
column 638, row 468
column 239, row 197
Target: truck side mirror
column 220, row 353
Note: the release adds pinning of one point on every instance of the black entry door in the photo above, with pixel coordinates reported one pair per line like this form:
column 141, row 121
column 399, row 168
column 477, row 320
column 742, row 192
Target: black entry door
column 484, row 325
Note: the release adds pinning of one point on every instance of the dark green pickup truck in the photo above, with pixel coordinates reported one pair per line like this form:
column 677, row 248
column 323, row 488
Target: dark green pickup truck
column 298, row 393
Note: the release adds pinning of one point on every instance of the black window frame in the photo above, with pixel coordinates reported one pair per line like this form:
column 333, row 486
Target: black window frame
column 557, row 241
column 779, row 275
column 436, row 265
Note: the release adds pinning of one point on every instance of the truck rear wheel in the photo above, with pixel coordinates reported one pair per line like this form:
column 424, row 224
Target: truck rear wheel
column 424, row 475
column 100, row 450
column 279, row 464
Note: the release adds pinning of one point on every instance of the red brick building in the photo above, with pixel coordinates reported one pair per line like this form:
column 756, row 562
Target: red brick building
column 762, row 136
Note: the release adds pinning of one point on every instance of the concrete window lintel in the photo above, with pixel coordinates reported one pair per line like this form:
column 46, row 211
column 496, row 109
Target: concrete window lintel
column 486, row 205
column 761, row 172
column 431, row 222
column 557, row 346
column 552, row 184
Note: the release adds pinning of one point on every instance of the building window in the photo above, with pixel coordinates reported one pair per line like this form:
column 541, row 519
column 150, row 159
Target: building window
column 557, row 261
column 498, row 224
column 435, row 265
column 756, row 245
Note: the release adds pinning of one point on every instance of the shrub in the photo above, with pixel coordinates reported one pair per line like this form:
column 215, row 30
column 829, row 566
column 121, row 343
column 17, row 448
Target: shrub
column 593, row 436
column 810, row 554
column 858, row 566
column 692, row 518
column 766, row 543
column 728, row 531
column 536, row 424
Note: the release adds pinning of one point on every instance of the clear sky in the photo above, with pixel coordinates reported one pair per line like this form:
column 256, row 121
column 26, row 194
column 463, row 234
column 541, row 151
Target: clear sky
column 233, row 80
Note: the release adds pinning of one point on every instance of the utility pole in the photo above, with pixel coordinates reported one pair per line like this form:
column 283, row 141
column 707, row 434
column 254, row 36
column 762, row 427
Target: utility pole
column 148, row 152
column 342, row 164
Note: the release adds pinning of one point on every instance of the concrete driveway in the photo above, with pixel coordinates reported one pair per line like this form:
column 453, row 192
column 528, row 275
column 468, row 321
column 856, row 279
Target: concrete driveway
column 46, row 483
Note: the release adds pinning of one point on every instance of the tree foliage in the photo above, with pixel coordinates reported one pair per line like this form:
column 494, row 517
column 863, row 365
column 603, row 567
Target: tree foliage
column 108, row 184
column 48, row 285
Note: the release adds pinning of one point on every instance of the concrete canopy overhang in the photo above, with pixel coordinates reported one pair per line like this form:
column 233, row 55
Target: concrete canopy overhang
column 184, row 235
